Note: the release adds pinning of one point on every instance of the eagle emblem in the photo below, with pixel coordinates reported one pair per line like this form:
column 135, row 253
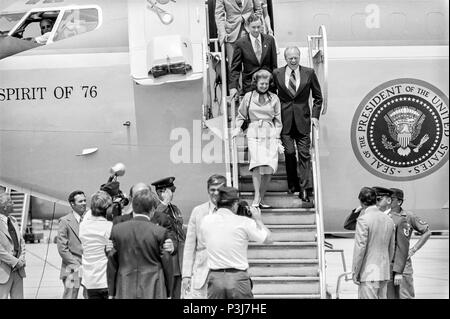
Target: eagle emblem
column 404, row 125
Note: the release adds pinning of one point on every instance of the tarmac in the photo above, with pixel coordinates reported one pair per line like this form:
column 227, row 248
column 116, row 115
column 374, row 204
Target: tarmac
column 431, row 269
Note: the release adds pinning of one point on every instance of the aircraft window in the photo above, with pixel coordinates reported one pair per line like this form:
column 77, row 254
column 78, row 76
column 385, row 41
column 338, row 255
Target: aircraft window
column 76, row 22
column 8, row 21
column 37, row 26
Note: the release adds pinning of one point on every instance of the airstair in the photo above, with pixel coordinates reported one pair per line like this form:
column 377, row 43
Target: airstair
column 21, row 206
column 293, row 266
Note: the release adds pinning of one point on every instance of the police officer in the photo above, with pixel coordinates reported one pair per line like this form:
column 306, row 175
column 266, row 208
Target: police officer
column 406, row 290
column 169, row 216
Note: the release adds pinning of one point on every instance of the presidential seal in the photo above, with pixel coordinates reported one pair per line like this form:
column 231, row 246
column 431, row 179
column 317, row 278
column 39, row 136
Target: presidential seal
column 400, row 131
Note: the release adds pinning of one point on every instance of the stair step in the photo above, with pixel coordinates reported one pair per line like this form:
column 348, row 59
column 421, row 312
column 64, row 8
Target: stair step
column 277, row 184
column 289, row 296
column 283, row 250
column 286, row 216
column 292, row 233
column 283, row 267
column 279, row 200
column 244, row 172
column 286, row 285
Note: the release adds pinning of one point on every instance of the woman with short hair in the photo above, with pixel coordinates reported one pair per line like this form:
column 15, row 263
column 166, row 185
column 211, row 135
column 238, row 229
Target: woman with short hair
column 263, row 111
column 94, row 233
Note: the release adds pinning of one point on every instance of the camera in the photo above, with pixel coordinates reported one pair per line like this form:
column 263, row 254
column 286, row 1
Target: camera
column 244, row 209
column 112, row 187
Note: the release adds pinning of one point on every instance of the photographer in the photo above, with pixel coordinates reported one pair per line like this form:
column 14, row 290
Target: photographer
column 226, row 238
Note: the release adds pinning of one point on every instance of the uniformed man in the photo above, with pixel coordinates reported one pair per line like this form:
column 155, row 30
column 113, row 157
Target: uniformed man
column 169, row 216
column 406, row 285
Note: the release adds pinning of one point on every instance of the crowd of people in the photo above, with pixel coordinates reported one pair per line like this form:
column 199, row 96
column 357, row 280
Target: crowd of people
column 382, row 254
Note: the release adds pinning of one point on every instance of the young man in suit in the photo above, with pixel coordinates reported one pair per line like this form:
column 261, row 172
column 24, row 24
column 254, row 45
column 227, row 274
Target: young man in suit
column 252, row 52
column 295, row 83
column 135, row 269
column 195, row 266
column 230, row 19
column 69, row 245
column 374, row 248
column 12, row 252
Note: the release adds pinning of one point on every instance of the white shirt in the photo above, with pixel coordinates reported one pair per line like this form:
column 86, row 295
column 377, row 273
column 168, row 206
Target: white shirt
column 94, row 235
column 287, row 76
column 141, row 215
column 253, row 40
column 77, row 217
column 226, row 237
column 4, row 219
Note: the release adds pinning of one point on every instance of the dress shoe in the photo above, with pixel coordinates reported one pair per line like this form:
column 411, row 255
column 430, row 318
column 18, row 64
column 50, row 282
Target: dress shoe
column 303, row 195
column 292, row 190
column 262, row 205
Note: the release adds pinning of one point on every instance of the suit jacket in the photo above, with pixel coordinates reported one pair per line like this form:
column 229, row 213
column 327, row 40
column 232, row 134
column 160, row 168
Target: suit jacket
column 374, row 246
column 297, row 106
column 245, row 60
column 195, row 262
column 122, row 218
column 69, row 244
column 229, row 17
column 134, row 268
column 7, row 258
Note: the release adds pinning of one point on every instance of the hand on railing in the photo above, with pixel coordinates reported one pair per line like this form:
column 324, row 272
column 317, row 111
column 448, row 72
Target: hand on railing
column 315, row 122
column 235, row 132
column 233, row 93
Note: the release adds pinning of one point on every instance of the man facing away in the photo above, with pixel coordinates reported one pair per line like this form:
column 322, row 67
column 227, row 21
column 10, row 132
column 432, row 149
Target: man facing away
column 373, row 249
column 405, row 284
column 195, row 266
column 294, row 84
column 12, row 252
column 69, row 245
column 252, row 52
column 135, row 269
column 230, row 21
column 226, row 237
column 128, row 214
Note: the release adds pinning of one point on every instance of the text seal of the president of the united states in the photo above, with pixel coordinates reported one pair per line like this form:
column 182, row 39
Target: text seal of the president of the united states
column 400, row 130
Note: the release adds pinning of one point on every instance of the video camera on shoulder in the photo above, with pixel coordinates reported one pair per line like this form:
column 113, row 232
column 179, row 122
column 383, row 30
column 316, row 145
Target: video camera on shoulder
column 112, row 187
column 244, row 209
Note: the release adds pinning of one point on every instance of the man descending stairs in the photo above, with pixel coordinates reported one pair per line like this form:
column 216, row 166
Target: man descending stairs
column 288, row 268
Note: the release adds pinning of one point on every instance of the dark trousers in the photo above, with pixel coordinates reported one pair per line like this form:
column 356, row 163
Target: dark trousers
column 229, row 285
column 393, row 291
column 303, row 143
column 97, row 293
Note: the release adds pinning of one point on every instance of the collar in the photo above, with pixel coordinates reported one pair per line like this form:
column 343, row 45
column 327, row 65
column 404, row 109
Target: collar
column 289, row 70
column 254, row 39
column 141, row 215
column 372, row 209
column 224, row 211
column 4, row 219
column 77, row 217
column 211, row 207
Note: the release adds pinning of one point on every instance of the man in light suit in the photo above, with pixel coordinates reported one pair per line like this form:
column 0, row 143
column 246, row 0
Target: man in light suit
column 230, row 19
column 135, row 269
column 12, row 252
column 195, row 266
column 374, row 248
column 69, row 245
column 252, row 52
column 294, row 84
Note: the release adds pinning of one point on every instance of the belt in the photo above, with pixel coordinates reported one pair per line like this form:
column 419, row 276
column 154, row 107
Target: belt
column 227, row 270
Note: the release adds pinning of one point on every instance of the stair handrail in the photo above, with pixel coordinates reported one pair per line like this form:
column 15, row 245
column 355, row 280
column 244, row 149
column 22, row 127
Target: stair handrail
column 234, row 153
column 24, row 215
column 315, row 161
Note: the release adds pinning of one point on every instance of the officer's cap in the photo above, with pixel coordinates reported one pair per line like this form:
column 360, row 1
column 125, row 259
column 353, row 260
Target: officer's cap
column 398, row 193
column 381, row 191
column 227, row 195
column 166, row 182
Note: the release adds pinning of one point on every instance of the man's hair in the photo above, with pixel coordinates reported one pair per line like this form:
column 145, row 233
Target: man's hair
column 292, row 47
column 140, row 184
column 252, row 18
column 367, row 196
column 72, row 195
column 3, row 199
column 227, row 204
column 100, row 202
column 216, row 179
column 261, row 74
column 144, row 201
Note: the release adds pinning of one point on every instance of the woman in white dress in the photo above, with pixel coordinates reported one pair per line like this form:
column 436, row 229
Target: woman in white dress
column 263, row 110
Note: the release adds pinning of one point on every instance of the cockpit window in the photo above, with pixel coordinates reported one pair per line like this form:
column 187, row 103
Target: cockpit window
column 77, row 21
column 37, row 26
column 8, row 21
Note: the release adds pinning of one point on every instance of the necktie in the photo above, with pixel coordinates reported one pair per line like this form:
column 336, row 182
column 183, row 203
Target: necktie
column 258, row 51
column 292, row 87
column 239, row 3
column 15, row 239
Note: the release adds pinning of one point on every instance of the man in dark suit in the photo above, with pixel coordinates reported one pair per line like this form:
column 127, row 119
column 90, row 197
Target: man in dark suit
column 135, row 269
column 374, row 248
column 169, row 216
column 294, row 84
column 251, row 53
column 12, row 252
column 69, row 245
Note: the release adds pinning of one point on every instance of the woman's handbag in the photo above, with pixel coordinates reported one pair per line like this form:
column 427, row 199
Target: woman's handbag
column 246, row 122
